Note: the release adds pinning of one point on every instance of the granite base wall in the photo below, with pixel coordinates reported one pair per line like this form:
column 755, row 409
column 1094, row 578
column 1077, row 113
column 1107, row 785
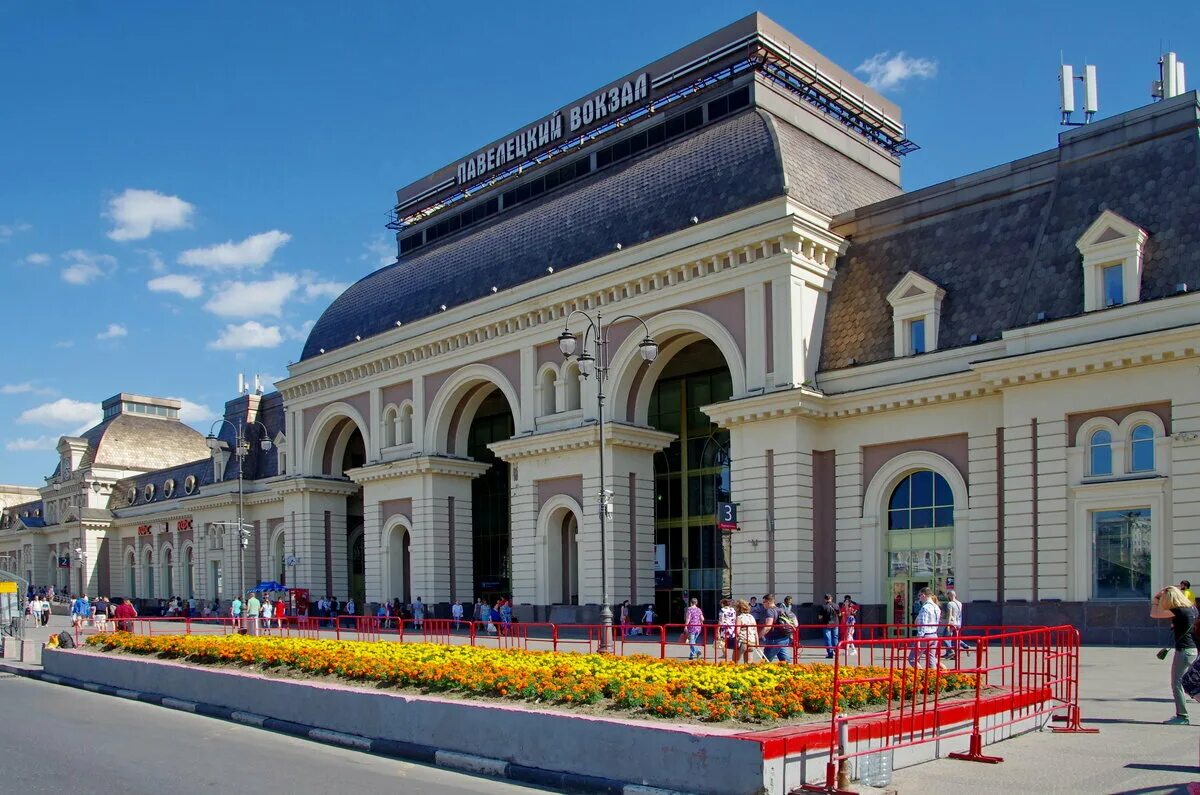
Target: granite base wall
column 668, row 757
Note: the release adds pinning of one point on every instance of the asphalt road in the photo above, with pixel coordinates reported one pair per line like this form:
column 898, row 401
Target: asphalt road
column 56, row 739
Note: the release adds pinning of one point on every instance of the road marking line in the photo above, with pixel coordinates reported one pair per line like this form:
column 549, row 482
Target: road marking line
column 249, row 718
column 95, row 688
column 129, row 694
column 471, row 763
column 339, row 738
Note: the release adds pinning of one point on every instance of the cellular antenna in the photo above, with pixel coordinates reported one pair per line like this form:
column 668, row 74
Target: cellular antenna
column 1091, row 94
column 1170, row 82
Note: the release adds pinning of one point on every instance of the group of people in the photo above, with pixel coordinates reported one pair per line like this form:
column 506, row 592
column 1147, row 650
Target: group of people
column 392, row 614
column 254, row 613
column 497, row 618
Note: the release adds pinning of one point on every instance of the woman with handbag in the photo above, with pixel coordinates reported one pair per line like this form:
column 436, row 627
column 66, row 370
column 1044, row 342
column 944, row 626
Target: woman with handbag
column 1170, row 603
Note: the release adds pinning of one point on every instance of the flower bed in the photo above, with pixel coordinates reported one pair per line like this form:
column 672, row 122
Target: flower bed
column 662, row 688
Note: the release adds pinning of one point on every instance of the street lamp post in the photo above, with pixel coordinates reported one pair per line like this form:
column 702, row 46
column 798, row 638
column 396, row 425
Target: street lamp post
column 597, row 334
column 81, row 556
column 241, row 450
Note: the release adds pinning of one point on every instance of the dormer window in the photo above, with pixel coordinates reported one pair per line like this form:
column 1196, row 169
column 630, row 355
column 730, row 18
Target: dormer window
column 916, row 310
column 1112, row 250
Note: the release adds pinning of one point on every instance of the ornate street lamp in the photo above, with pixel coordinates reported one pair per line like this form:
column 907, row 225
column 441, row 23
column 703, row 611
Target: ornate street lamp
column 597, row 363
column 241, row 448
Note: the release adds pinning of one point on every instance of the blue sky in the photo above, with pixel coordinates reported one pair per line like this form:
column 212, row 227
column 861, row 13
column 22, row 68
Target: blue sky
column 183, row 187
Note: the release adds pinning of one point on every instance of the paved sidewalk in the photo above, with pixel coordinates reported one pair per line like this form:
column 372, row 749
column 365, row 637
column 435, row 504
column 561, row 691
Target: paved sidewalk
column 1126, row 694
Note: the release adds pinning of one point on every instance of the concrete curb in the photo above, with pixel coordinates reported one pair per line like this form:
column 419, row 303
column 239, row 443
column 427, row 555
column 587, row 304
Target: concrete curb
column 411, row 752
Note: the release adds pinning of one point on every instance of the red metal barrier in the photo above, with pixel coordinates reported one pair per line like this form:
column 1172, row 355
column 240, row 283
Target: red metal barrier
column 1020, row 674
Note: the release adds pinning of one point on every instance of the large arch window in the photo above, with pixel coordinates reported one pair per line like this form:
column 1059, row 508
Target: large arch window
column 921, row 501
column 1141, row 449
column 1100, row 457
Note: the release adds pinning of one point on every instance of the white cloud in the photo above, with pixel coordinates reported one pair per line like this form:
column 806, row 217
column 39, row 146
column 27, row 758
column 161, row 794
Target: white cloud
column 65, row 344
column 327, row 289
column 379, row 251
column 113, row 331
column 269, row 381
column 299, row 332
column 885, row 71
column 156, row 261
column 86, row 266
column 253, row 252
column 138, row 213
column 23, row 445
column 63, row 411
column 194, row 412
column 186, row 286
column 36, row 258
column 250, row 334
column 9, row 230
column 26, row 388
column 252, row 299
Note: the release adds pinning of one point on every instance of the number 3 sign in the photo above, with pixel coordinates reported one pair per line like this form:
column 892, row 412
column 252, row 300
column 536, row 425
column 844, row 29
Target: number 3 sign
column 727, row 516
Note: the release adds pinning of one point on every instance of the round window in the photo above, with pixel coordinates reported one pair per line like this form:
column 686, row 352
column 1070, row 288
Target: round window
column 148, row 492
column 131, row 495
column 168, row 488
column 189, row 484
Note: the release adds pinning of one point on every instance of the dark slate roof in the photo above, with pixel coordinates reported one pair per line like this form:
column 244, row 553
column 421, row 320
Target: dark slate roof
column 260, row 463
column 824, row 178
column 734, row 164
column 1005, row 257
column 33, row 507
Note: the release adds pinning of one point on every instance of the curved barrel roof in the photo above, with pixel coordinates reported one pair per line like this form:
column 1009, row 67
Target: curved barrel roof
column 731, row 165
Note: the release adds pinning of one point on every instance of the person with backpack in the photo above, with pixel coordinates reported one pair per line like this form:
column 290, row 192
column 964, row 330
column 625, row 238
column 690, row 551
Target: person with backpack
column 829, row 618
column 777, row 632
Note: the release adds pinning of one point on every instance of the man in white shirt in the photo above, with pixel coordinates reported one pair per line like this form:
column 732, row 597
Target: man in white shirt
column 928, row 617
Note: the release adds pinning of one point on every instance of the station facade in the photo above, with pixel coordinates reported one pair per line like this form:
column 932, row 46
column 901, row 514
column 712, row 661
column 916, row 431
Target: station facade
column 990, row 384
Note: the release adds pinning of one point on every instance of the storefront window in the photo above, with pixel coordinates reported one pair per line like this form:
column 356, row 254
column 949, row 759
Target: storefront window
column 1121, row 554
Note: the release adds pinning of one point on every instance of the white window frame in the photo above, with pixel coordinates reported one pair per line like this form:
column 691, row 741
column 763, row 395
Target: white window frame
column 1122, row 495
column 1111, row 240
column 915, row 298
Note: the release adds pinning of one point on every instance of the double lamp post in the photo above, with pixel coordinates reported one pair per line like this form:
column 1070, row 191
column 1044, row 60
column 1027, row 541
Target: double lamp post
column 593, row 358
column 241, row 448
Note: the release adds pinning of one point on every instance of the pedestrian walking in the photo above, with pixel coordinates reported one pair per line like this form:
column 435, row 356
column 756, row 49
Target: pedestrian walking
column 253, row 610
column 235, row 611
column 829, row 618
column 954, row 619
column 1171, row 603
column 81, row 611
column 848, row 613
column 625, row 619
column 418, row 611
column 693, row 626
column 726, row 641
column 124, row 613
column 456, row 612
column 929, row 616
column 779, row 627
column 747, row 632
column 47, row 603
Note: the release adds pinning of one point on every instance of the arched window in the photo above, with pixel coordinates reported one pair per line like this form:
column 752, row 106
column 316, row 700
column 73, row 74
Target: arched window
column 1100, row 453
column 389, row 426
column 570, row 379
column 921, row 501
column 548, row 392
column 404, row 429
column 1141, row 449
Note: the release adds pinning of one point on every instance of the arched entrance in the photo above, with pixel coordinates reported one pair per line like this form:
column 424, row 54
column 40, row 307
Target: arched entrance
column 490, row 517
column 558, row 551
column 168, row 573
column 339, row 445
column 149, row 571
column 279, row 557
column 692, row 557
column 399, row 547
column 189, row 573
column 920, row 541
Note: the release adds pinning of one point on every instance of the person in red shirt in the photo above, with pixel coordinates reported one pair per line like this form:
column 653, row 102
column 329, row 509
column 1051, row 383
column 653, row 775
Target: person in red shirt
column 848, row 617
column 125, row 611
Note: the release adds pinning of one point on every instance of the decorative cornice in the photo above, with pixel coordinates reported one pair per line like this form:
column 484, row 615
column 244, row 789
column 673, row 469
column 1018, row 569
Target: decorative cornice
column 793, row 236
column 418, row 466
column 797, row 401
column 635, row 437
column 313, row 485
column 1154, row 347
